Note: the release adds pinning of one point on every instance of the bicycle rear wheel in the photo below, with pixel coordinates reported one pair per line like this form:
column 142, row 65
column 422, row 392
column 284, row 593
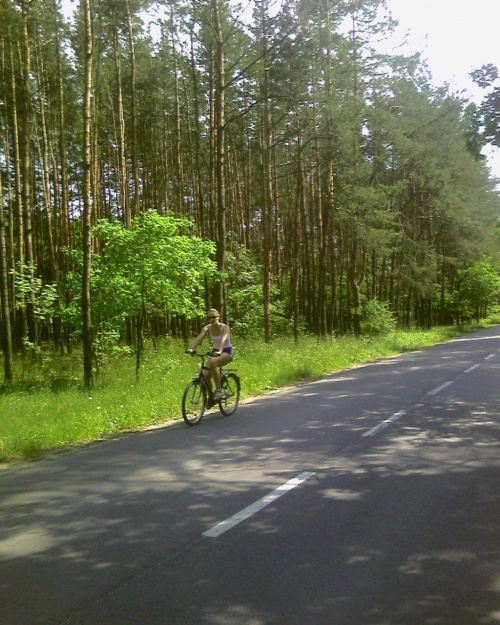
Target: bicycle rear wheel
column 230, row 394
column 194, row 401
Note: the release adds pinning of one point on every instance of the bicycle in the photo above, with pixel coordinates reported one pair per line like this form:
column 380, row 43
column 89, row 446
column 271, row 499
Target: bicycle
column 196, row 396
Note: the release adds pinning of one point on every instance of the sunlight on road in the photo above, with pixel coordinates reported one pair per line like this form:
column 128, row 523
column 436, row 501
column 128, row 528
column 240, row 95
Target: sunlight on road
column 468, row 339
column 26, row 544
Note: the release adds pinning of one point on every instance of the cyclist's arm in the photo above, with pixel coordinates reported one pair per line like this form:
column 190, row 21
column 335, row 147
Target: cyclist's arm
column 198, row 339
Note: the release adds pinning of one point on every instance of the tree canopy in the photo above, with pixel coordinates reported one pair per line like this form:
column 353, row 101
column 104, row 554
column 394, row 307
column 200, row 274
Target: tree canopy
column 159, row 158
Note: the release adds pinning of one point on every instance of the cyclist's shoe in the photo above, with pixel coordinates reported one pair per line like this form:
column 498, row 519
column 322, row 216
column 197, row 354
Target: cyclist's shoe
column 210, row 401
column 217, row 396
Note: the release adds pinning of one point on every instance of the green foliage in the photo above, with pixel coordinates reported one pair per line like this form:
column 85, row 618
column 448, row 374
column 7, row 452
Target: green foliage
column 476, row 294
column 489, row 111
column 376, row 318
column 474, row 139
column 31, row 290
column 479, row 288
column 375, row 171
column 246, row 300
column 249, row 301
column 157, row 267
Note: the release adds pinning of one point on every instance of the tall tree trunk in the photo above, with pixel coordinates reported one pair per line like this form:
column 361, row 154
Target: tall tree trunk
column 19, row 222
column 317, row 230
column 87, row 208
column 17, row 158
column 122, row 165
column 354, row 247
column 9, row 228
column 64, row 236
column 97, row 179
column 64, row 208
column 44, row 159
column 442, row 292
column 220, row 79
column 25, row 141
column 325, row 179
column 198, row 173
column 355, row 285
column 4, row 297
column 267, row 209
column 295, row 268
column 179, row 182
column 212, row 216
column 133, row 114
column 305, row 256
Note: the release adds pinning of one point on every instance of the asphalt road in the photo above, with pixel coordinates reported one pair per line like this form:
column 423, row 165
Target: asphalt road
column 368, row 498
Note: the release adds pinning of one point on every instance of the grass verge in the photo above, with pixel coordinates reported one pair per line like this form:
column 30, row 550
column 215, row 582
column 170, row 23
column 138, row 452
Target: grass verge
column 53, row 412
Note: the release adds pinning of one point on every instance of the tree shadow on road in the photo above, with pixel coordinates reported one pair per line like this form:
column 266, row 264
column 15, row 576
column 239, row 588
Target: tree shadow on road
column 411, row 532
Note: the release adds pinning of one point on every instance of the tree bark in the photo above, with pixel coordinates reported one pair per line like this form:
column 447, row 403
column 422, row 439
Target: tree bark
column 197, row 156
column 267, row 209
column 4, row 297
column 87, row 207
column 122, row 164
column 44, row 159
column 220, row 78
column 133, row 115
column 179, row 182
column 25, row 139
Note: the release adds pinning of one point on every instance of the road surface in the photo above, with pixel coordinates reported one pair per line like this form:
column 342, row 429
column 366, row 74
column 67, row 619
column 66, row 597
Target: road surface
column 370, row 497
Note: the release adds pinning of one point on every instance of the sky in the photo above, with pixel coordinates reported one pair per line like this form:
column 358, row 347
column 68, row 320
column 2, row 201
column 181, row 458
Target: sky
column 454, row 36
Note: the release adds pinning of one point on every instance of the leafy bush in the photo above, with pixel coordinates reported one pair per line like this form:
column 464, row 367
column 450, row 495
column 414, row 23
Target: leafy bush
column 480, row 286
column 476, row 295
column 376, row 318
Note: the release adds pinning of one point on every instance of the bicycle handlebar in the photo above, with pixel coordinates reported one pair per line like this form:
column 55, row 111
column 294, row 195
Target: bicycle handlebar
column 194, row 353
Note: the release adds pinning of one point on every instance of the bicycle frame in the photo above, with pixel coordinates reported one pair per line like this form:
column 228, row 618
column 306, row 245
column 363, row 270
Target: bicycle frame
column 195, row 401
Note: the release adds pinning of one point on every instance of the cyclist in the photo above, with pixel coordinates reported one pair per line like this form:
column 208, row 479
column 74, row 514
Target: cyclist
column 222, row 352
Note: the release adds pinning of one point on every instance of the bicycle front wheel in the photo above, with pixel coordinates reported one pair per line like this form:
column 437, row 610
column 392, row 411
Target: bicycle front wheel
column 194, row 401
column 230, row 394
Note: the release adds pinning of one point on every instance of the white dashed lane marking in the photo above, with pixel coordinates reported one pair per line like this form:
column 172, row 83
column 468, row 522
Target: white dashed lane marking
column 439, row 388
column 384, row 424
column 381, row 426
column 246, row 513
column 249, row 511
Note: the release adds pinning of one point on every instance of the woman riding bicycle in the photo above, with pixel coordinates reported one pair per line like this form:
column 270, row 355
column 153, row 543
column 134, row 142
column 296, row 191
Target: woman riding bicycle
column 222, row 352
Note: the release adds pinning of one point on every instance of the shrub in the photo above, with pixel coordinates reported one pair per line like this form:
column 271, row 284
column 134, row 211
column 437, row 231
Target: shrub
column 376, row 318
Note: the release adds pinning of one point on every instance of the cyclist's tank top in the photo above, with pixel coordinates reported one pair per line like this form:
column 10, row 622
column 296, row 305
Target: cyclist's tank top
column 217, row 339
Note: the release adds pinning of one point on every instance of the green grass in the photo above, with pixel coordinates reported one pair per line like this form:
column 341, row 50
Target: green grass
column 49, row 410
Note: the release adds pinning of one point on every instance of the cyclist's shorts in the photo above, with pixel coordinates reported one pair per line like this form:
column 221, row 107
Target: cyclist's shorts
column 227, row 350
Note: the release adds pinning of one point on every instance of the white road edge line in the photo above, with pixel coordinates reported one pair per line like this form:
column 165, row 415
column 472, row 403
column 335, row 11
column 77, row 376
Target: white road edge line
column 471, row 368
column 385, row 423
column 246, row 513
column 490, row 356
column 439, row 388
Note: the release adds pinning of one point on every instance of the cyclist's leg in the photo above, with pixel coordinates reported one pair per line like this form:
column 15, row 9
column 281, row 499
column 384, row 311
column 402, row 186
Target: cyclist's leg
column 207, row 374
column 215, row 363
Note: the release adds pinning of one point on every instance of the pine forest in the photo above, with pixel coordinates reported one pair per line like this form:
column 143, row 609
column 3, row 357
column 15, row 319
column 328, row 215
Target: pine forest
column 273, row 161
